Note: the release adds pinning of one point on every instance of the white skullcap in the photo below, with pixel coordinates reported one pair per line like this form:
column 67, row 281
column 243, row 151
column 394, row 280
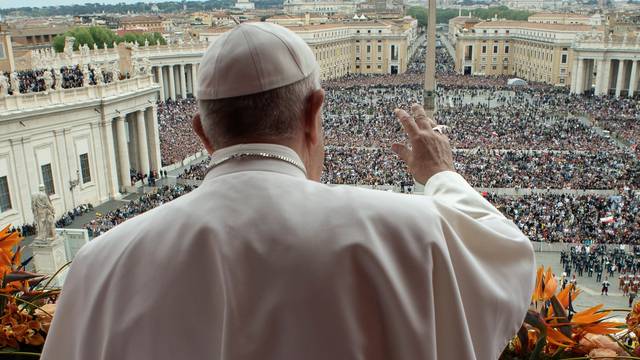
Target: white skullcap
column 252, row 58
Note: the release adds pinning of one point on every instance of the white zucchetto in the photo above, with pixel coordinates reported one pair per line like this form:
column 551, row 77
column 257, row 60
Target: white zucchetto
column 253, row 58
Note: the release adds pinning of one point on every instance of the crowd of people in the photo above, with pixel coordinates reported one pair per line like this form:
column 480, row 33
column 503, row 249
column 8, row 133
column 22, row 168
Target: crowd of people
column 177, row 139
column 530, row 137
column 612, row 219
column 619, row 267
column 104, row 222
column 30, row 81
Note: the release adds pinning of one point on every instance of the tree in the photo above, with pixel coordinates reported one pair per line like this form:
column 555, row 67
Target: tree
column 419, row 13
column 444, row 15
column 58, row 43
column 100, row 35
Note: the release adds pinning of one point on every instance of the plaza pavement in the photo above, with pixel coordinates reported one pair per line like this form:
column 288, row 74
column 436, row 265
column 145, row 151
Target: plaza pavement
column 590, row 295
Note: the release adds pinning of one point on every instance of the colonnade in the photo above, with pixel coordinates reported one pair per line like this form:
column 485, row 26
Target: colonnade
column 177, row 81
column 605, row 76
column 132, row 143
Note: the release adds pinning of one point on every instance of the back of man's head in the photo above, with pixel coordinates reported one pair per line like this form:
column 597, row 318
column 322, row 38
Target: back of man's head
column 253, row 84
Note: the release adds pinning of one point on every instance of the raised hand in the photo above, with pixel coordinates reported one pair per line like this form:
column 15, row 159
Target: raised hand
column 429, row 152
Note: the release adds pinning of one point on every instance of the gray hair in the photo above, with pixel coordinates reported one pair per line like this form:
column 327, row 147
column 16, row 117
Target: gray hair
column 273, row 114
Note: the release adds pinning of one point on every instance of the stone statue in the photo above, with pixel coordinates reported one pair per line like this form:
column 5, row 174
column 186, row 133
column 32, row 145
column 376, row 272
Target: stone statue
column 147, row 66
column 4, row 84
column 95, row 46
column 115, row 45
column 85, row 76
column 135, row 68
column 15, row 83
column 146, row 42
column 58, row 78
column 68, row 45
column 43, row 215
column 99, row 76
column 104, row 46
column 48, row 79
column 157, row 42
column 115, row 72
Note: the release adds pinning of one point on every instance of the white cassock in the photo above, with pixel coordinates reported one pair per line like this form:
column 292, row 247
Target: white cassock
column 261, row 263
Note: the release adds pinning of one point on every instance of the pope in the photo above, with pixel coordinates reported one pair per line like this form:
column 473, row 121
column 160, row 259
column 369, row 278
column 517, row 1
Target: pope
column 264, row 262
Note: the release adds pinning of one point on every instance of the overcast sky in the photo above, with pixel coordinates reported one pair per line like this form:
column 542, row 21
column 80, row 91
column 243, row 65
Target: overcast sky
column 38, row 3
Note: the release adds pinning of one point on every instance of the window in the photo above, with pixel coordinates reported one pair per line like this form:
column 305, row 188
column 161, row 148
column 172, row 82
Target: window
column 493, row 67
column 379, row 48
column 368, row 66
column 484, row 49
column 357, row 48
column 368, row 49
column 47, row 179
column 2, row 51
column 561, row 80
column 506, row 49
column 564, row 58
column 357, row 66
column 5, row 197
column 84, row 168
column 379, row 66
column 495, row 49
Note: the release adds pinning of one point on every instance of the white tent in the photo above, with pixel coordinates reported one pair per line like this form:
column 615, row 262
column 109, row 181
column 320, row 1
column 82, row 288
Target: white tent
column 516, row 82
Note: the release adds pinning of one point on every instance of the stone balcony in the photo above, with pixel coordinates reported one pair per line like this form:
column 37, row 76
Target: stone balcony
column 49, row 59
column 64, row 97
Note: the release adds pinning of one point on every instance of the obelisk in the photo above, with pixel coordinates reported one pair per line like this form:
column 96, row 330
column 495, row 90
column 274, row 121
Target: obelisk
column 430, row 71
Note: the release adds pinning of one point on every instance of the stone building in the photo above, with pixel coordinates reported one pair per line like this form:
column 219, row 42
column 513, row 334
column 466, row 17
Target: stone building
column 357, row 47
column 79, row 143
column 142, row 24
column 533, row 51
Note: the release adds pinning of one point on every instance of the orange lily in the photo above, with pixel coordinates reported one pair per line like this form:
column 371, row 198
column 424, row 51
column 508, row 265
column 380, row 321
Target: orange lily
column 550, row 285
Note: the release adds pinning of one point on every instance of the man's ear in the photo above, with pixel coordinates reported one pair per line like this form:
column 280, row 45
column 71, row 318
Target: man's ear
column 312, row 118
column 199, row 130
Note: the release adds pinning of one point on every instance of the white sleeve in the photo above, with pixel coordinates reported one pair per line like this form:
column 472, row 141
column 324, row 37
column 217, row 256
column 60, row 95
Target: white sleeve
column 493, row 261
column 451, row 188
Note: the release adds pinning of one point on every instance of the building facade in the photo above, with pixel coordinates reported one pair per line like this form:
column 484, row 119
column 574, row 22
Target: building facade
column 142, row 24
column 606, row 65
column 358, row 47
column 81, row 144
column 533, row 51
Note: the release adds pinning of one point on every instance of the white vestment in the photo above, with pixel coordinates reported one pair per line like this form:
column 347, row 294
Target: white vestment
column 260, row 263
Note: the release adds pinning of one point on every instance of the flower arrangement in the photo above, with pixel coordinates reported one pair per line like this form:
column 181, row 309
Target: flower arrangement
column 26, row 306
column 552, row 329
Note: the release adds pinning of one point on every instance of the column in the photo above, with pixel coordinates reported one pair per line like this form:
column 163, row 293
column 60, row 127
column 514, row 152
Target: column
column 143, row 149
column 99, row 168
column 620, row 79
column 172, row 83
column 161, row 82
column 580, row 77
column 599, row 77
column 106, row 129
column 633, row 82
column 194, row 78
column 574, row 76
column 606, row 77
column 60, row 170
column 21, row 186
column 123, row 153
column 154, row 138
column 183, row 82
